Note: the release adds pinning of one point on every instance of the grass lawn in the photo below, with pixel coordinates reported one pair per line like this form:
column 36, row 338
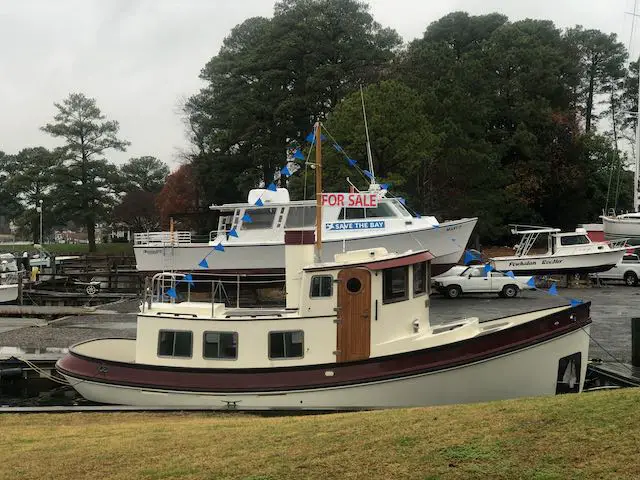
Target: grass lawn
column 590, row 436
column 70, row 248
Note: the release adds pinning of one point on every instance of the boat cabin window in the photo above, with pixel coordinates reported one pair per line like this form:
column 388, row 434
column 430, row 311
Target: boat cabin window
column 301, row 217
column 286, row 344
column 173, row 343
column 321, row 286
column 261, row 218
column 395, row 284
column 574, row 240
column 403, row 210
column 220, row 345
column 419, row 278
column 383, row 210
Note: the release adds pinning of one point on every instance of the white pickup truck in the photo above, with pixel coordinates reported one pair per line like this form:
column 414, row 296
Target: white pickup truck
column 627, row 270
column 475, row 280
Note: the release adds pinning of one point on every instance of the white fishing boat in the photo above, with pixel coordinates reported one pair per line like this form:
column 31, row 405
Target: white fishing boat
column 259, row 246
column 567, row 253
column 9, row 278
column 354, row 334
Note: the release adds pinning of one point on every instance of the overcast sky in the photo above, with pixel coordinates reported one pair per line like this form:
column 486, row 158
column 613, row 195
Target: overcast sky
column 140, row 58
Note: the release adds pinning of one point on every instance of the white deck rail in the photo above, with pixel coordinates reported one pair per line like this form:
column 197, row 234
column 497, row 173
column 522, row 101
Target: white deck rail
column 161, row 238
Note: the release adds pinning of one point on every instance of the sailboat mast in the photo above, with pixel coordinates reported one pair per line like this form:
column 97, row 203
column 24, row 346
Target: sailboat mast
column 366, row 129
column 636, row 199
column 318, row 189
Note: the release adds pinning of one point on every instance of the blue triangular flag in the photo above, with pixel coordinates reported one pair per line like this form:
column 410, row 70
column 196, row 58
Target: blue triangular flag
column 368, row 174
column 172, row 293
column 384, row 186
column 219, row 247
column 203, row 263
column 487, row 268
column 420, row 216
column 402, row 200
column 246, row 218
column 311, row 138
column 468, row 258
column 298, row 154
column 532, row 282
column 351, row 162
column 553, row 290
column 189, row 279
column 259, row 203
column 272, row 187
column 285, row 171
column 510, row 274
column 575, row 302
column 233, row 233
column 337, row 147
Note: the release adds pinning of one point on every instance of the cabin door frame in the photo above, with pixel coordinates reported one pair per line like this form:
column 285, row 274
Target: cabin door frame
column 354, row 315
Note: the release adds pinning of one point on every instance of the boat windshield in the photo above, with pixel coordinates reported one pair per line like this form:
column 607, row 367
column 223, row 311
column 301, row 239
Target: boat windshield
column 300, row 216
column 574, row 240
column 383, row 210
column 403, row 210
column 261, row 218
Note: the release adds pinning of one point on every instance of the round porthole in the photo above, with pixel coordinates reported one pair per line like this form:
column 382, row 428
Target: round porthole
column 354, row 285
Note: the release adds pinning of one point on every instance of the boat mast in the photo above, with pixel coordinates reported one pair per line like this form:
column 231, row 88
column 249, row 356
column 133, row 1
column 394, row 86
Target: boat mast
column 366, row 130
column 318, row 190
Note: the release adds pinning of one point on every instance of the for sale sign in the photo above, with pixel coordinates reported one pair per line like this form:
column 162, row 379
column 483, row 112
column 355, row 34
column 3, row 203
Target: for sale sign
column 350, row 200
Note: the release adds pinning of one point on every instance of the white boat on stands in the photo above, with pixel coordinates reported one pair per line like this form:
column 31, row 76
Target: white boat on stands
column 9, row 278
column 624, row 225
column 355, row 334
column 567, row 253
column 259, row 248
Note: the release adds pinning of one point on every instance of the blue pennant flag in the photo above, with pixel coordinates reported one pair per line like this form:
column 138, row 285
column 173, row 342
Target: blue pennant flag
column 402, row 200
column 285, row 171
column 246, row 218
column 435, row 226
column 351, row 162
column 311, row 138
column 233, row 233
column 468, row 257
column 487, row 268
column 272, row 187
column 172, row 293
column 189, row 279
column 368, row 174
column 259, row 203
column 510, row 274
column 532, row 282
column 553, row 290
column 203, row 263
column 298, row 154
column 575, row 302
column 219, row 247
column 420, row 216
column 385, row 186
column 338, row 148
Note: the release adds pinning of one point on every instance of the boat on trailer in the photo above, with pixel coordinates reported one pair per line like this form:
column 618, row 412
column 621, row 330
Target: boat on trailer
column 567, row 253
column 259, row 248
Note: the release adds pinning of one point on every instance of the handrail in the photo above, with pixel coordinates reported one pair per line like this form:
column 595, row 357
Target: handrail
column 161, row 238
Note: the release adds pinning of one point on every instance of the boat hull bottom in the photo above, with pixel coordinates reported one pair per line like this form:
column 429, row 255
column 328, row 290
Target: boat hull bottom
column 531, row 371
column 557, row 271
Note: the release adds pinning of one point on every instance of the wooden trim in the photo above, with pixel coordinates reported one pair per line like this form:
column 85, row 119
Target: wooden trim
column 299, row 237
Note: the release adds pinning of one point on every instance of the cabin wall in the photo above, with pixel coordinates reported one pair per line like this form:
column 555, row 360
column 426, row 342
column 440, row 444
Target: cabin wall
column 253, row 341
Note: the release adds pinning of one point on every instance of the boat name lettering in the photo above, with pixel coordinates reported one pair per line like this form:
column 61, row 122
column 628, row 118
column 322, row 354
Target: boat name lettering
column 354, row 225
column 350, row 200
column 522, row 263
column 153, row 251
column 553, row 261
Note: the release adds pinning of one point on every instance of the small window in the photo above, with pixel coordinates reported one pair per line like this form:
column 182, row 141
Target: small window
column 630, row 259
column 351, row 214
column 220, row 345
column 321, row 286
column 301, row 217
column 354, row 285
column 419, row 278
column 173, row 343
column 383, row 210
column 286, row 344
column 574, row 240
column 395, row 284
column 261, row 218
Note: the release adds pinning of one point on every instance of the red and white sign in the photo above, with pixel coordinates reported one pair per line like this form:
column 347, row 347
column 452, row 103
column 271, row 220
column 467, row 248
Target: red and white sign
column 350, row 200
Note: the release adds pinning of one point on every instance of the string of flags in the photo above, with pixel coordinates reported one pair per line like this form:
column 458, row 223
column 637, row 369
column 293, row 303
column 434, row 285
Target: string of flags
column 470, row 255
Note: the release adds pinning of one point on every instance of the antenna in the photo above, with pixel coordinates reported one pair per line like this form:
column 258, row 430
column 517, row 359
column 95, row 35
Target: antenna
column 366, row 129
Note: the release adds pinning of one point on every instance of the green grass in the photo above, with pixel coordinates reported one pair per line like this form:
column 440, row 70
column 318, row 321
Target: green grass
column 588, row 436
column 70, row 248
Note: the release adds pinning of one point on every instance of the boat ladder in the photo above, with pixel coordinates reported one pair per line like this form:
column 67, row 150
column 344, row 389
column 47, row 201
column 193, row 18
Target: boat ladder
column 528, row 239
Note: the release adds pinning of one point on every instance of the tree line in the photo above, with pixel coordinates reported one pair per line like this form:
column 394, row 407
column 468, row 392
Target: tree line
column 511, row 121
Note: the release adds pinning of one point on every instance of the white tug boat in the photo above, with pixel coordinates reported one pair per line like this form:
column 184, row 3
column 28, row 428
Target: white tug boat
column 259, row 248
column 567, row 253
column 355, row 334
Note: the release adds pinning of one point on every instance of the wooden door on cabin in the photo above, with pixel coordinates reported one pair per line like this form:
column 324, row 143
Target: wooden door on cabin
column 354, row 315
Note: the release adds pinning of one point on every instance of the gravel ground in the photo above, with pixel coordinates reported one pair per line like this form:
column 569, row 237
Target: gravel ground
column 611, row 310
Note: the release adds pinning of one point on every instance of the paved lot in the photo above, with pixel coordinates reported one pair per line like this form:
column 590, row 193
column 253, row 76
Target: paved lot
column 611, row 310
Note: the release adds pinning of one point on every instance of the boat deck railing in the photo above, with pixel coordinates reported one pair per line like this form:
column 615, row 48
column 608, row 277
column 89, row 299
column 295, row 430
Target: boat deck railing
column 230, row 289
column 161, row 238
